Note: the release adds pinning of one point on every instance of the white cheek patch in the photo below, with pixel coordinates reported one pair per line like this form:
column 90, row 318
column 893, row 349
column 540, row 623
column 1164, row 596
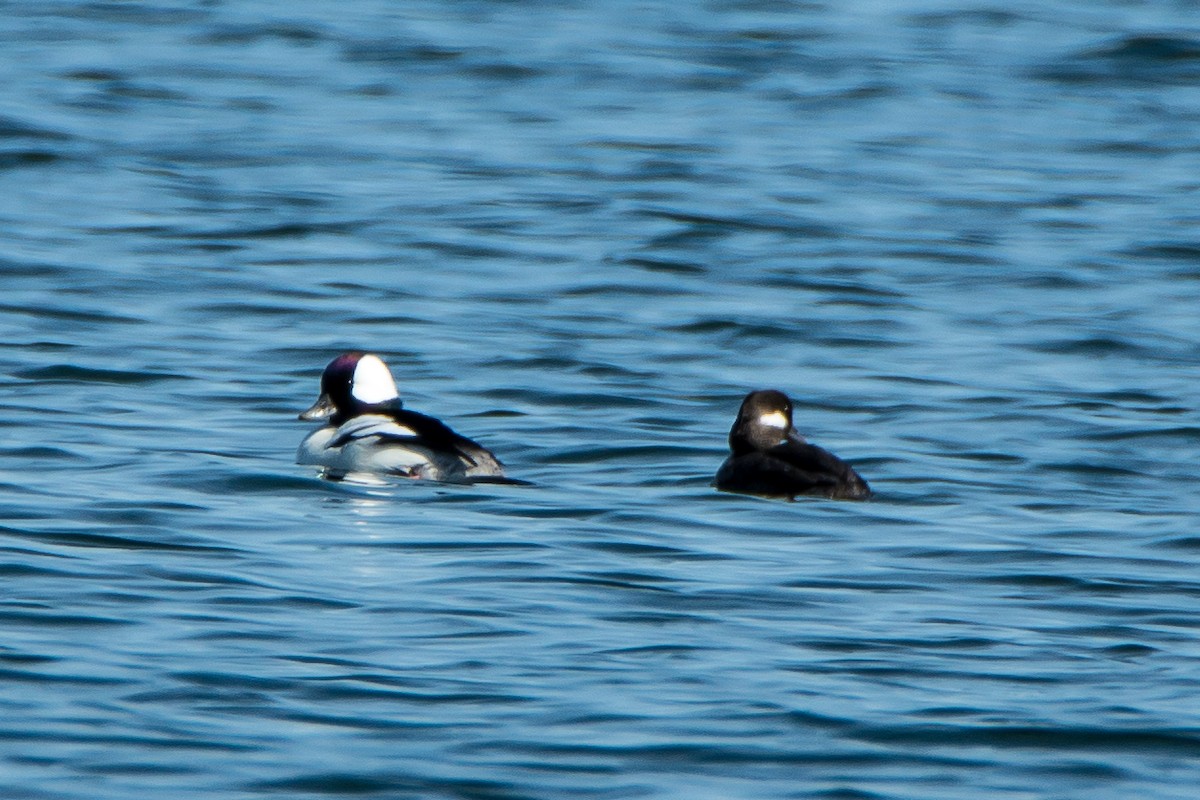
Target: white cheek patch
column 774, row 419
column 373, row 381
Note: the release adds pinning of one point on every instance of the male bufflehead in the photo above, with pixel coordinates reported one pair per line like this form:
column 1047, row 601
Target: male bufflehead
column 769, row 458
column 369, row 430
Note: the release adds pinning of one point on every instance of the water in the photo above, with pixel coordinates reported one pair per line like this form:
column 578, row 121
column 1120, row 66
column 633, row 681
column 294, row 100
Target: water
column 962, row 237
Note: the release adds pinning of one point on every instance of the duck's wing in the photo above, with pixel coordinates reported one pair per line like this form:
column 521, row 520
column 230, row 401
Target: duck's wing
column 814, row 464
column 414, row 430
column 367, row 426
column 437, row 435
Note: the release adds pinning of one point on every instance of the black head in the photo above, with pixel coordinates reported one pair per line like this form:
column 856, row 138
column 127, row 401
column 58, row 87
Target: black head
column 763, row 421
column 352, row 384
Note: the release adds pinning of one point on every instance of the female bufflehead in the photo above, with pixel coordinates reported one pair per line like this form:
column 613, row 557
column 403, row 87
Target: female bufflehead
column 770, row 458
column 369, row 430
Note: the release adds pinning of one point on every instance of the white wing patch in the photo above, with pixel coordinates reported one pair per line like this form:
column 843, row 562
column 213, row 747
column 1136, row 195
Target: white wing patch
column 354, row 448
column 373, row 382
column 373, row 425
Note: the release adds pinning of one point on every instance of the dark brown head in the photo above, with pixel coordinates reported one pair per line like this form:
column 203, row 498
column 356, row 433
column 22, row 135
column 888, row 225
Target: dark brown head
column 764, row 420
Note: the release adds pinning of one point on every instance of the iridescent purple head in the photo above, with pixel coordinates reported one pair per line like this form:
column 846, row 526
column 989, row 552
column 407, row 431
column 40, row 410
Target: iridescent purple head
column 351, row 384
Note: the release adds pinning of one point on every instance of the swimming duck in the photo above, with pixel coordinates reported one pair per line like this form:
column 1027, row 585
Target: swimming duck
column 368, row 430
column 770, row 458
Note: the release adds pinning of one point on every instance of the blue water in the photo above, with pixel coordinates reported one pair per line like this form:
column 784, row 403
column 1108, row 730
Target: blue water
column 963, row 237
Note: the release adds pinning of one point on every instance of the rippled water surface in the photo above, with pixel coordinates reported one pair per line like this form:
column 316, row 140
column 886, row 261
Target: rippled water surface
column 964, row 238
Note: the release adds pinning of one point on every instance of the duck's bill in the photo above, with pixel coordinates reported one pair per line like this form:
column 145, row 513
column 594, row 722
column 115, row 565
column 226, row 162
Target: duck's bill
column 322, row 409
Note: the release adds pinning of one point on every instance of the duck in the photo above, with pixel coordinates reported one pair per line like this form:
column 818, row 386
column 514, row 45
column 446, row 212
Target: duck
column 368, row 430
column 770, row 459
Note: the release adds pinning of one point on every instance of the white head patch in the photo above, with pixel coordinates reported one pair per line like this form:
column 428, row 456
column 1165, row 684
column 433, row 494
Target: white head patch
column 774, row 419
column 373, row 381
